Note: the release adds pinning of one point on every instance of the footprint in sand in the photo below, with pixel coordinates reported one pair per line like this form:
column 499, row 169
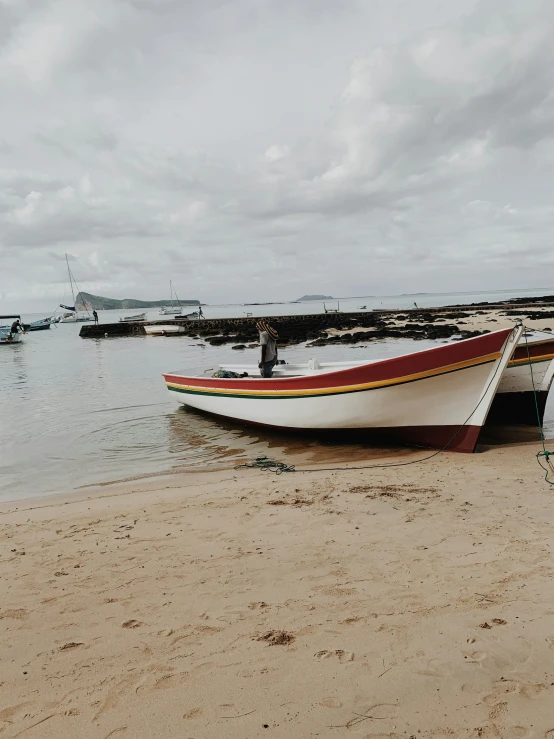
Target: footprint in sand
column 131, row 624
column 515, row 732
column 330, row 703
column 340, row 654
column 170, row 681
column 70, row 645
column 193, row 713
column 532, row 691
column 474, row 656
column 14, row 713
column 335, row 591
column 19, row 614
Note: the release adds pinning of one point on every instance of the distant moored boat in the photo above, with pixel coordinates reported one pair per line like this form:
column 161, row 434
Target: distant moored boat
column 130, row 319
column 164, row 329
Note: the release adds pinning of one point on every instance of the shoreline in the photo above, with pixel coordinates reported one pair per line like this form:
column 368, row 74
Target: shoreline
column 236, row 604
column 436, row 323
column 492, row 438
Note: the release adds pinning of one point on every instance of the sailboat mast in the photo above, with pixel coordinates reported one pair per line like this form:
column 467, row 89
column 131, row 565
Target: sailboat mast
column 70, row 281
column 177, row 298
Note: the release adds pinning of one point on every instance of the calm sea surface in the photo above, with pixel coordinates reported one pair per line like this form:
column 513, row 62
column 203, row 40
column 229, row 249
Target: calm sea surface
column 77, row 412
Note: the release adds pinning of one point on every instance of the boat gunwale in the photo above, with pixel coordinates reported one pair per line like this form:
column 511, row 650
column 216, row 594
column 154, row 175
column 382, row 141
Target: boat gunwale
column 217, row 382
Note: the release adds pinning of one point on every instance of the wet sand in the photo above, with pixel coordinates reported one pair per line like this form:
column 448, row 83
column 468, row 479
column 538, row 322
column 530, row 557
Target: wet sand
column 409, row 601
column 480, row 319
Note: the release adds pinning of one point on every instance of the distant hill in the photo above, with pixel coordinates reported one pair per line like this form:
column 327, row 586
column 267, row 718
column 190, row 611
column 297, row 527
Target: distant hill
column 85, row 301
column 316, row 297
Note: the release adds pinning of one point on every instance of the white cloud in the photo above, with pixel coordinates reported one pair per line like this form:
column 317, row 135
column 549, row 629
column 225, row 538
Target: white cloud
column 141, row 136
column 275, row 152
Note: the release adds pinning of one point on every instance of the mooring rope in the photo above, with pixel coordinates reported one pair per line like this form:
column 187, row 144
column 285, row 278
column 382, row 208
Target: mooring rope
column 545, row 453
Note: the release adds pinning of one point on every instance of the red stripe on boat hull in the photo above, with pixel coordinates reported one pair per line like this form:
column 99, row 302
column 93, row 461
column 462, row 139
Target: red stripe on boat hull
column 535, row 349
column 386, row 369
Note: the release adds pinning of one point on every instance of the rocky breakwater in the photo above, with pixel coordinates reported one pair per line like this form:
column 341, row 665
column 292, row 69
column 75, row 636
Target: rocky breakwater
column 315, row 329
column 325, row 328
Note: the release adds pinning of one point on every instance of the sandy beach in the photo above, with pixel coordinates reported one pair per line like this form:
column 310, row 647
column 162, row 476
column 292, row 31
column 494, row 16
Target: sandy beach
column 404, row 602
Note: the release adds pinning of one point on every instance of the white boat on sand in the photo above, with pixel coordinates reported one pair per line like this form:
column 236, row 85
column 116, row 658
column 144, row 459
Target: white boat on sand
column 164, row 329
column 438, row 397
column 514, row 402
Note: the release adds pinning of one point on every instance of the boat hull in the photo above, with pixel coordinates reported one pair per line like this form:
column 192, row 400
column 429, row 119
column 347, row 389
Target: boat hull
column 164, row 330
column 133, row 319
column 514, row 402
column 438, row 397
column 15, row 339
column 77, row 319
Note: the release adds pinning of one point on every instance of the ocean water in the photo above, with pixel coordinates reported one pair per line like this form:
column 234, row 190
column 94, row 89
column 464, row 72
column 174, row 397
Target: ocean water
column 76, row 412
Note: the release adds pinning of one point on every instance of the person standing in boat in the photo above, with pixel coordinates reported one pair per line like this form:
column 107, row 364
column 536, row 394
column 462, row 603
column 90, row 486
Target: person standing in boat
column 95, row 316
column 268, row 343
column 15, row 329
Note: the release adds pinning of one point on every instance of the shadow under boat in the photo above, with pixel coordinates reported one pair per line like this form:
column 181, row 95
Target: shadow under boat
column 331, row 445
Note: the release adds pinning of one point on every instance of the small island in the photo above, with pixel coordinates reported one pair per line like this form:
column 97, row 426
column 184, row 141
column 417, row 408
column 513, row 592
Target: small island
column 86, row 301
column 315, row 297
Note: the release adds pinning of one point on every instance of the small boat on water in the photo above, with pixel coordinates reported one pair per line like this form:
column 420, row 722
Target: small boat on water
column 76, row 318
column 194, row 315
column 164, row 329
column 437, row 397
column 8, row 338
column 41, row 325
column 131, row 319
column 362, row 307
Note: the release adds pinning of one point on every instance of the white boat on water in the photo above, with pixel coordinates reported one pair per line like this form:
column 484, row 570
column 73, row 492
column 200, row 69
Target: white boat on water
column 438, row 397
column 7, row 338
column 174, row 309
column 73, row 315
column 131, row 319
column 164, row 329
column 76, row 318
column 170, row 311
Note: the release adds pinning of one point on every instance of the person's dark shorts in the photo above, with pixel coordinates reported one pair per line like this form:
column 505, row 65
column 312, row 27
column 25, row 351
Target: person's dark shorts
column 267, row 368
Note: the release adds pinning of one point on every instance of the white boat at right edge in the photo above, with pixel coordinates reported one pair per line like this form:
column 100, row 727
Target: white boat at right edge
column 525, row 383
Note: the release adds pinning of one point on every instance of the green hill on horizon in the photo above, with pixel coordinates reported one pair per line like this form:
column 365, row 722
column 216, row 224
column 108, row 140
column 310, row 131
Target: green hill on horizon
column 86, row 301
column 315, row 297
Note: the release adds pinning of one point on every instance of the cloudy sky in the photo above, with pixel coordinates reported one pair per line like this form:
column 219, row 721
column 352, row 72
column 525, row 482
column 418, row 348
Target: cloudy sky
column 262, row 149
